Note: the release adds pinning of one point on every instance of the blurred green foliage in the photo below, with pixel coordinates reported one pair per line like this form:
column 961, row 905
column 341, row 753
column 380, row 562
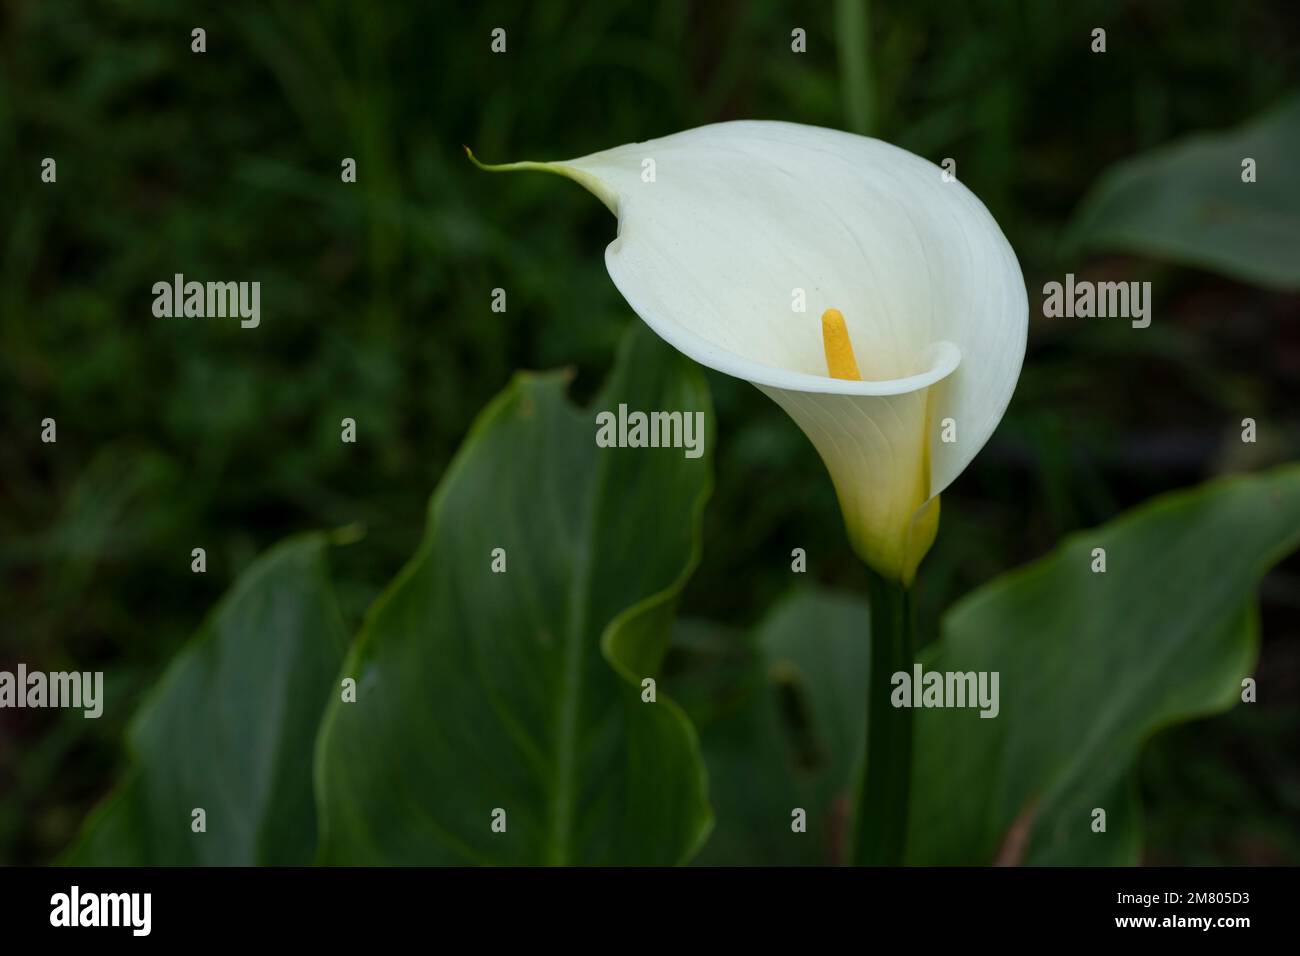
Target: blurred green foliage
column 176, row 434
column 1184, row 203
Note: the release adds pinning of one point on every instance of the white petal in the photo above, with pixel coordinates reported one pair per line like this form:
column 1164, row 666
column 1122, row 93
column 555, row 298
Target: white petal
column 739, row 215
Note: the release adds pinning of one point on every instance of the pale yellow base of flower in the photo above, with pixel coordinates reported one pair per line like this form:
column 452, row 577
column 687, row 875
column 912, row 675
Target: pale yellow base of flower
column 891, row 551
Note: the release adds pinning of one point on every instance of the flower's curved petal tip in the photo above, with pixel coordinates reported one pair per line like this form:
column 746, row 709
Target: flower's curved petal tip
column 569, row 170
column 497, row 167
column 487, row 167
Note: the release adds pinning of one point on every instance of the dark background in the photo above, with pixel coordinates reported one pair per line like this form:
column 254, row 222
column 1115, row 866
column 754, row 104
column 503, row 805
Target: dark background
column 177, row 434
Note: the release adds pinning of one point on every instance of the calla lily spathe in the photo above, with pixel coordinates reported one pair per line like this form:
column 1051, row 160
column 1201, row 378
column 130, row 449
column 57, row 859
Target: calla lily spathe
column 728, row 226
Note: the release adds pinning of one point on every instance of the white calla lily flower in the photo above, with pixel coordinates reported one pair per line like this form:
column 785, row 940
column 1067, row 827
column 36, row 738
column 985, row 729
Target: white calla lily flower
column 724, row 230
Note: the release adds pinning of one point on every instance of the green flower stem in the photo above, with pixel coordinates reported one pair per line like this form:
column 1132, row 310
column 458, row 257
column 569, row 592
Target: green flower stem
column 880, row 814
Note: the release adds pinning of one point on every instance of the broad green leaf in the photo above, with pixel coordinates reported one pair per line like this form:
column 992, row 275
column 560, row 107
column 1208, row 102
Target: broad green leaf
column 1187, row 202
column 1090, row 666
column 230, row 729
column 521, row 691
